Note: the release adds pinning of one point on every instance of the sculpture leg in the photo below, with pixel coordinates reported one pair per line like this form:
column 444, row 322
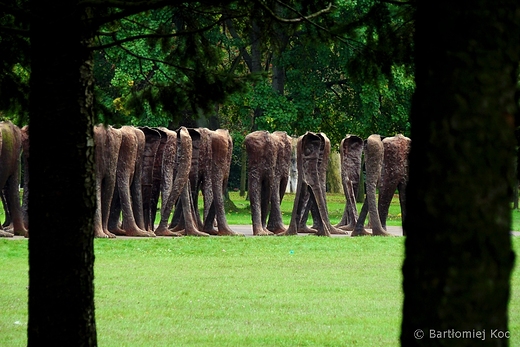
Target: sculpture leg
column 255, row 191
column 190, row 227
column 309, row 206
column 136, row 189
column 373, row 161
column 152, row 138
column 199, row 169
column 402, row 200
column 299, row 198
column 315, row 152
column 298, row 209
column 124, row 176
column 114, row 222
column 351, row 151
column 359, row 229
column 275, row 222
column 282, row 145
column 350, row 215
column 386, row 193
column 181, row 181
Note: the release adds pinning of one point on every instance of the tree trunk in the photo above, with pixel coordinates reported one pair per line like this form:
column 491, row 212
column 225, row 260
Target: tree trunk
column 281, row 39
column 458, row 256
column 62, row 201
column 334, row 184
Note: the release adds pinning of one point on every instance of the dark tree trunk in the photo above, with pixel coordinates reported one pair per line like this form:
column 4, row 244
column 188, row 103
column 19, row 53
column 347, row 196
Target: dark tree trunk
column 280, row 41
column 254, row 62
column 458, row 247
column 62, row 201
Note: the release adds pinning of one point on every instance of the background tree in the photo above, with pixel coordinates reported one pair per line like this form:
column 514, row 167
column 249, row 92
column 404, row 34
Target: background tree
column 338, row 71
column 342, row 74
column 15, row 63
column 458, row 246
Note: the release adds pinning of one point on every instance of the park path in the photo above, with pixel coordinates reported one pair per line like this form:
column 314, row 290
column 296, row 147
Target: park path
column 247, row 230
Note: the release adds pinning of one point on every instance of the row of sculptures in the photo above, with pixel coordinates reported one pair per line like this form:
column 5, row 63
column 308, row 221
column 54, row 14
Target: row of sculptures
column 386, row 165
column 137, row 167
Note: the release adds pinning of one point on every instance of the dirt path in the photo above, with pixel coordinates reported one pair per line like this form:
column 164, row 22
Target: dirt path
column 247, row 230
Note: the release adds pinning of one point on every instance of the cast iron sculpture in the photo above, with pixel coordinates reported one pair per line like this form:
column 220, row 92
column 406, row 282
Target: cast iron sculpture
column 351, row 151
column 210, row 165
column 10, row 151
column 313, row 151
column 394, row 175
column 269, row 158
column 388, row 171
column 127, row 199
column 107, row 144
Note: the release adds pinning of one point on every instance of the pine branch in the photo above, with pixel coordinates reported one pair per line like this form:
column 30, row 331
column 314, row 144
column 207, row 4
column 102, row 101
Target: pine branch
column 119, row 42
column 140, row 58
column 15, row 31
column 247, row 57
column 396, row 2
column 301, row 17
column 122, row 4
column 13, row 10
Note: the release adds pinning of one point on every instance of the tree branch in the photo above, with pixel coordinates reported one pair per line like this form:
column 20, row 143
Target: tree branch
column 122, row 4
column 14, row 10
column 300, row 18
column 243, row 52
column 396, row 2
column 16, row 31
column 140, row 57
column 153, row 35
column 128, row 8
column 339, row 82
column 303, row 18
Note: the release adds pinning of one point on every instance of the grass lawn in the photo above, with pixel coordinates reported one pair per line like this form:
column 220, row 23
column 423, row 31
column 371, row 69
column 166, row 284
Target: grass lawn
column 335, row 205
column 236, row 291
column 239, row 291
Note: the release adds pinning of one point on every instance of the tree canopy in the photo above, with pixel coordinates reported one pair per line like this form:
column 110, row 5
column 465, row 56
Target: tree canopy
column 253, row 67
column 342, row 67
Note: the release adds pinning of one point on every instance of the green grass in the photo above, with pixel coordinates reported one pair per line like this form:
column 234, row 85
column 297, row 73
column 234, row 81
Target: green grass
column 248, row 291
column 515, row 224
column 226, row 291
column 335, row 205
column 294, row 291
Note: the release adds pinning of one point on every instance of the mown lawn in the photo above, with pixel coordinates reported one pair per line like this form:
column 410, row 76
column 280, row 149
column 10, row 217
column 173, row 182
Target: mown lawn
column 335, row 205
column 236, row 291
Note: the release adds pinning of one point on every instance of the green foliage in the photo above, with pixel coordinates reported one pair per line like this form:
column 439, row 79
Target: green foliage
column 347, row 70
column 14, row 65
column 354, row 78
column 348, row 83
column 165, row 64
